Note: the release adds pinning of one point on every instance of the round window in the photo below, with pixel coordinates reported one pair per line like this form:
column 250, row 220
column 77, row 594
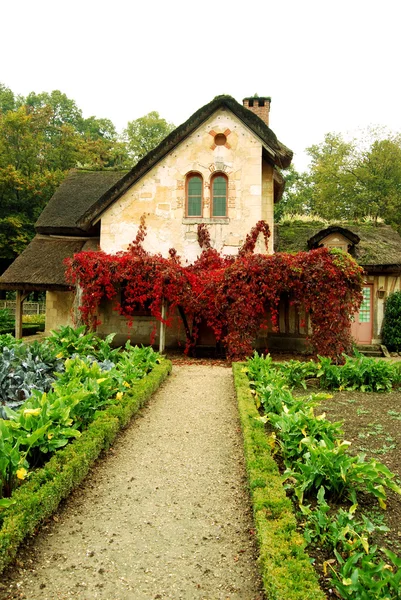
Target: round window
column 220, row 139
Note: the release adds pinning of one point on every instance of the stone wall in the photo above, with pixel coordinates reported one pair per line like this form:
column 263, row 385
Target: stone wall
column 160, row 195
column 59, row 306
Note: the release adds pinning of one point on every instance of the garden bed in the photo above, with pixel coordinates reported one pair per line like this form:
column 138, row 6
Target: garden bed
column 372, row 423
column 339, row 477
column 90, row 399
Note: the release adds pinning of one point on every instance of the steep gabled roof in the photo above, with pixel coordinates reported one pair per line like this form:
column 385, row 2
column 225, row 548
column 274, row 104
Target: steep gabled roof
column 84, row 195
column 278, row 154
column 379, row 248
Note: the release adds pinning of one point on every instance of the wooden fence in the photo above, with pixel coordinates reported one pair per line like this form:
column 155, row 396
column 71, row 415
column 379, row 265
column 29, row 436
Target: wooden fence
column 29, row 308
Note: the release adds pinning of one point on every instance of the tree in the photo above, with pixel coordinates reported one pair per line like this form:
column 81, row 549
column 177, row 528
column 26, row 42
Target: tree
column 7, row 99
column 349, row 180
column 41, row 138
column 44, row 135
column 145, row 133
column 297, row 194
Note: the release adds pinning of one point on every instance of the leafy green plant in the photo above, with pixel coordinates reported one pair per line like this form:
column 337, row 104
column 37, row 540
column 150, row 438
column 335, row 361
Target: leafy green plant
column 13, row 463
column 391, row 331
column 338, row 530
column 43, row 424
column 23, row 369
column 86, row 386
column 68, row 341
column 6, row 319
column 8, row 341
column 328, row 463
column 297, row 424
column 298, row 373
column 367, row 576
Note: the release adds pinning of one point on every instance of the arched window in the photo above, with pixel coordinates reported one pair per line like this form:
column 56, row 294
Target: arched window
column 219, row 195
column 194, row 195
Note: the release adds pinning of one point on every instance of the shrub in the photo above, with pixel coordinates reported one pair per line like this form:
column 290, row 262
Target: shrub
column 6, row 318
column 391, row 332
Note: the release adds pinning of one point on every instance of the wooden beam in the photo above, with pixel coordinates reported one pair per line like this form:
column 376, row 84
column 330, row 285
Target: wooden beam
column 162, row 334
column 21, row 296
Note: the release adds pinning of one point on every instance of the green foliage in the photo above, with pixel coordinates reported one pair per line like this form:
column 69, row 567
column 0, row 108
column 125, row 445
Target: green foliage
column 67, row 341
column 286, row 569
column 6, row 319
column 297, row 424
column 360, row 373
column 13, row 463
column 344, row 530
column 349, row 179
column 391, row 331
column 318, row 462
column 86, row 384
column 40, row 496
column 368, row 577
column 357, row 373
column 145, row 133
column 23, row 369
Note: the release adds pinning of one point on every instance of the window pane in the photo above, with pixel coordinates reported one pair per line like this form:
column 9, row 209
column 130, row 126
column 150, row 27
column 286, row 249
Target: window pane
column 219, row 196
column 194, row 206
column 195, row 186
column 194, row 197
column 364, row 311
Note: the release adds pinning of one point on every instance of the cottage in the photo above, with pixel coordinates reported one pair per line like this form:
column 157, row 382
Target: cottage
column 221, row 167
column 375, row 246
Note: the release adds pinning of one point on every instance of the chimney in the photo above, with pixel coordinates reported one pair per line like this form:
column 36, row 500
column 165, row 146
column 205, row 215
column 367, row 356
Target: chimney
column 259, row 105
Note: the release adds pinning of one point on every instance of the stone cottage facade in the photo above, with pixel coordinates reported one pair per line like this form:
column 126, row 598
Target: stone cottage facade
column 221, row 167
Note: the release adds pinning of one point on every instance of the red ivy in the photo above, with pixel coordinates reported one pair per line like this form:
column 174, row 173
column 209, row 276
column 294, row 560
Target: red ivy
column 232, row 294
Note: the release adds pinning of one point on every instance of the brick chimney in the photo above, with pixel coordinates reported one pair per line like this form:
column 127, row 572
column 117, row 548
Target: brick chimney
column 259, row 105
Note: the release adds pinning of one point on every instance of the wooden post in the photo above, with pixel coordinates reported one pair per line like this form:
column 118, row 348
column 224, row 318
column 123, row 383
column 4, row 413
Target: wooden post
column 21, row 295
column 162, row 334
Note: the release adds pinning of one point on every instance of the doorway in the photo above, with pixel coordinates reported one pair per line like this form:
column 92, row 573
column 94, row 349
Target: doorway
column 362, row 327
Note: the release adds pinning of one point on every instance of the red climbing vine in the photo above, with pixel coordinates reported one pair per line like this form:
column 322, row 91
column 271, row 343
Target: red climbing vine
column 233, row 295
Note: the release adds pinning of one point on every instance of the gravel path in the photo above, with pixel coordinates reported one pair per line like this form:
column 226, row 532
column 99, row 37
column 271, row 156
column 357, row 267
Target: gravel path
column 164, row 515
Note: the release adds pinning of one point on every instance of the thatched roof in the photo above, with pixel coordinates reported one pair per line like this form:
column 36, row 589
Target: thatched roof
column 379, row 248
column 76, row 194
column 41, row 264
column 274, row 151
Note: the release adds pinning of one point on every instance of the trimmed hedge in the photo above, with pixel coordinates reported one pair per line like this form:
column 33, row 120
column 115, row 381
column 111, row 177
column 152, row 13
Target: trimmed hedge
column 27, row 328
column 286, row 568
column 39, row 497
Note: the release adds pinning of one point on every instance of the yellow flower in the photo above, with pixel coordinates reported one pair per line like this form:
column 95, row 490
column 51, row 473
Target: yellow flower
column 119, row 395
column 32, row 411
column 126, row 384
column 22, row 473
column 59, row 355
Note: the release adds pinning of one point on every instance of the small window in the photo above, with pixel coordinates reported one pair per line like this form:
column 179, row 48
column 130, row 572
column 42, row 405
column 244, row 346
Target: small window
column 219, row 191
column 194, row 196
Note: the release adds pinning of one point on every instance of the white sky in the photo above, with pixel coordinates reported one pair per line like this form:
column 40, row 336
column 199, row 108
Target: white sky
column 328, row 66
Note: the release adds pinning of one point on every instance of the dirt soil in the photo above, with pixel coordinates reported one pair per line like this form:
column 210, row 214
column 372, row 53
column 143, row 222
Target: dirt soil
column 372, row 423
column 165, row 514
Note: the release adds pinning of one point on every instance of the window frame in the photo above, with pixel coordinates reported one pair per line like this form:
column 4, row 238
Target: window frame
column 212, row 179
column 188, row 178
